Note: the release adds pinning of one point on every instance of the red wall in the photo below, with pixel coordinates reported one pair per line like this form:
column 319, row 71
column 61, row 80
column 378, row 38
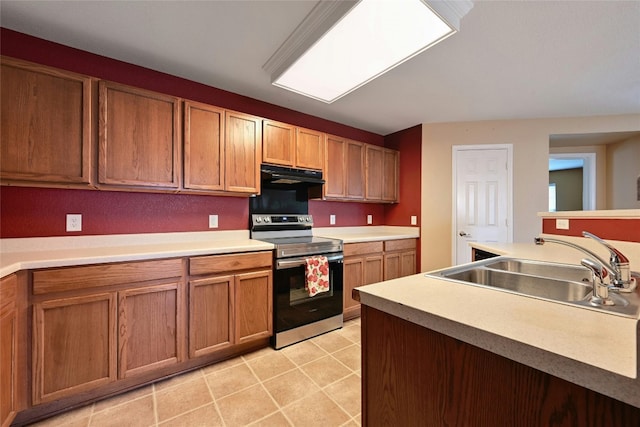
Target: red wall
column 622, row 229
column 30, row 212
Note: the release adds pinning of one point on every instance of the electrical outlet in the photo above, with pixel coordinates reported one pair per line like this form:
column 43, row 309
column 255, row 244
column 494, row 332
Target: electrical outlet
column 369, row 219
column 414, row 220
column 213, row 221
column 562, row 223
column 332, row 219
column 74, row 222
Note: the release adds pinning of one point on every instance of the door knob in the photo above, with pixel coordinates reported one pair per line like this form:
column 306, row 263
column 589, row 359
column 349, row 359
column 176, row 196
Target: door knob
column 464, row 234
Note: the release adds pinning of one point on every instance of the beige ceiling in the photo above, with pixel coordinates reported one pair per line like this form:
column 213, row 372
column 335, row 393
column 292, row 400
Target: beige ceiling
column 511, row 59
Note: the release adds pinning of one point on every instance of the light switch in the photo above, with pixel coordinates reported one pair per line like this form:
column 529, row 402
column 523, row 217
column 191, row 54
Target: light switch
column 369, row 219
column 213, row 221
column 332, row 219
column 414, row 220
column 562, row 223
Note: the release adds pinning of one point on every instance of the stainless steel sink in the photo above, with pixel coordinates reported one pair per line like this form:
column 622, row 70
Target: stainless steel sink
column 542, row 287
column 561, row 283
column 574, row 273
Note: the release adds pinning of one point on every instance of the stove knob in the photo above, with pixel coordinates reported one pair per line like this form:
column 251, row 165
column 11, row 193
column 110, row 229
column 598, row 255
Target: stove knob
column 300, row 219
column 267, row 219
column 308, row 219
column 258, row 219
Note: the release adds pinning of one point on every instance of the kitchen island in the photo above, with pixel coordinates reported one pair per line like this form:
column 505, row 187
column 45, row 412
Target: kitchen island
column 437, row 352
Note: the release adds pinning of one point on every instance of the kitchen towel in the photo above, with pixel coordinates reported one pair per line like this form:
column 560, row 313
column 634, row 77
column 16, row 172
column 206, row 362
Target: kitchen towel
column 317, row 275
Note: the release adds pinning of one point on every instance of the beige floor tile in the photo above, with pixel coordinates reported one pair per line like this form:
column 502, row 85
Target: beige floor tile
column 270, row 365
column 181, row 398
column 231, row 380
column 350, row 356
column 325, row 371
column 316, row 410
column 358, row 419
column 332, row 341
column 139, row 412
column 346, row 393
column 205, row 416
column 303, row 352
column 178, row 379
column 123, row 398
column 352, row 333
column 246, row 406
column 289, row 387
column 76, row 418
column 273, row 420
column 225, row 364
column 259, row 353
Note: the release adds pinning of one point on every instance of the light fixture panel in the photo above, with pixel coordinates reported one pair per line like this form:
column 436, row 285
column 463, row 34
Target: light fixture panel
column 372, row 38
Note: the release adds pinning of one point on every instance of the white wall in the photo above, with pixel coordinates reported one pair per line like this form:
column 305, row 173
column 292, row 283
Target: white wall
column 530, row 139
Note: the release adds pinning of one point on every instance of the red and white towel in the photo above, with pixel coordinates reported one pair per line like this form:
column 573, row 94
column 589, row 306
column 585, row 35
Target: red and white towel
column 317, row 275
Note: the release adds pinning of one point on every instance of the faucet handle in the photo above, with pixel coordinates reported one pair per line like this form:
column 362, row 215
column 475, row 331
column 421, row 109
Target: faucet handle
column 600, row 295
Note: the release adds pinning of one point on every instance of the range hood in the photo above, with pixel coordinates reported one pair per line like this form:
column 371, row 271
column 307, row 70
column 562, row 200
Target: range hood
column 278, row 175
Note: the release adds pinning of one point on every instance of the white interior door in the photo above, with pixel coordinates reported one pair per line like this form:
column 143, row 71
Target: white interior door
column 482, row 183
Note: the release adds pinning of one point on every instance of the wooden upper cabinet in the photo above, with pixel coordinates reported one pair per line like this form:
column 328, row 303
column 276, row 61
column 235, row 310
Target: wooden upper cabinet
column 243, row 152
column 355, row 173
column 287, row 145
column 278, row 143
column 46, row 124
column 335, row 168
column 139, row 135
column 391, row 168
column 374, row 172
column 310, row 146
column 204, row 167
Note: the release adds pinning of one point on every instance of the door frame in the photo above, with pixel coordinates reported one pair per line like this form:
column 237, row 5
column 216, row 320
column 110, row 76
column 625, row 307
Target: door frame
column 588, row 176
column 454, row 214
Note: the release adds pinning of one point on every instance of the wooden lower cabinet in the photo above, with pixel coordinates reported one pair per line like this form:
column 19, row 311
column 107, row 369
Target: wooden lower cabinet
column 8, row 350
column 74, row 345
column 253, row 305
column 399, row 258
column 150, row 328
column 363, row 265
column 414, row 376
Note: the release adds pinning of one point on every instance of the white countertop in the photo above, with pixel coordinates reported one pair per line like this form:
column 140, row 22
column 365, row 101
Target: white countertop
column 45, row 252
column 596, row 350
column 368, row 233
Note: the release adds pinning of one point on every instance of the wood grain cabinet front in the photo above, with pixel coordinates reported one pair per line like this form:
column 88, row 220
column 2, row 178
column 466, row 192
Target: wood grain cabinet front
column 46, row 126
column 363, row 265
column 139, row 138
column 287, row 145
column 399, row 258
column 8, row 350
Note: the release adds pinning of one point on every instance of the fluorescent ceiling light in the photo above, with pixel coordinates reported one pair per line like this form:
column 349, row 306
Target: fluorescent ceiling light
column 373, row 37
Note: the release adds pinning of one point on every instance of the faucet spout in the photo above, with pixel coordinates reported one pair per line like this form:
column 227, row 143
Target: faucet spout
column 620, row 275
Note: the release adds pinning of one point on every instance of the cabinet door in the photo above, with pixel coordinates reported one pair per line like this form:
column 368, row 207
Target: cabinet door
column 392, row 266
column 46, row 124
column 335, row 168
column 407, row 263
column 210, row 315
column 374, row 172
column 309, row 149
column 203, row 147
column 278, row 143
column 243, row 152
column 150, row 328
column 253, row 305
column 8, row 349
column 74, row 345
column 353, row 277
column 139, row 137
column 390, row 176
column 373, row 267
column 355, row 170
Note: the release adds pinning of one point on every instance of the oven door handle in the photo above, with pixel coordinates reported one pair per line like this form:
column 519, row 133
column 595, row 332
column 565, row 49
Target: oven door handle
column 300, row 262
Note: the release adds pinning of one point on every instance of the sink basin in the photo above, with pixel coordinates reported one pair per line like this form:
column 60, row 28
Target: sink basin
column 561, row 283
column 543, row 269
column 543, row 287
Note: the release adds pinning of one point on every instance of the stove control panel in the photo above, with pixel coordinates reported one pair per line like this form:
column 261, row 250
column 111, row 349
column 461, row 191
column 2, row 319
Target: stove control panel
column 278, row 220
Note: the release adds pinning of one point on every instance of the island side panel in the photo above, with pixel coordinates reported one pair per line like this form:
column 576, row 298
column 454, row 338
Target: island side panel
column 413, row 376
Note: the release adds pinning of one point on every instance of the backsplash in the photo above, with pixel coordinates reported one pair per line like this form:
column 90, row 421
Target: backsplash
column 623, row 229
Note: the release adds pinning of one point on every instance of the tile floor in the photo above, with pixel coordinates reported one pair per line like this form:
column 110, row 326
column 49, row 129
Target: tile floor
column 312, row 383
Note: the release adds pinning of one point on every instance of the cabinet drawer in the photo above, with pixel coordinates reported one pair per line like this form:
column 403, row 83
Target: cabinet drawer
column 216, row 264
column 362, row 248
column 75, row 278
column 399, row 245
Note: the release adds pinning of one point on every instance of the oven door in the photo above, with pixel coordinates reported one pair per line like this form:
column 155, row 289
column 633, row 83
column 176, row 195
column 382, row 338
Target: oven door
column 292, row 305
